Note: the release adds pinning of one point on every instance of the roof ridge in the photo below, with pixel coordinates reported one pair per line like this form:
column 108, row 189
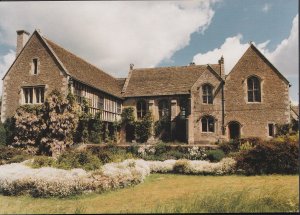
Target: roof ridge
column 164, row 67
column 78, row 57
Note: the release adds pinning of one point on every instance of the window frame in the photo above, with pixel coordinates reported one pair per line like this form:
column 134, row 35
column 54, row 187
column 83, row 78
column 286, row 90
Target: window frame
column 273, row 131
column 141, row 109
column 254, row 89
column 29, row 95
column 207, row 94
column 206, row 128
column 39, row 99
column 35, row 66
column 164, row 110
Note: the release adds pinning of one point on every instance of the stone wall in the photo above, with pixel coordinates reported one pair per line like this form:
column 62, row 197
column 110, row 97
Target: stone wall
column 200, row 109
column 21, row 75
column 152, row 105
column 254, row 117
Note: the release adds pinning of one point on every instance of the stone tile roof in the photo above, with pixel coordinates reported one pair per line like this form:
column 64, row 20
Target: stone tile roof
column 85, row 72
column 164, row 80
column 295, row 108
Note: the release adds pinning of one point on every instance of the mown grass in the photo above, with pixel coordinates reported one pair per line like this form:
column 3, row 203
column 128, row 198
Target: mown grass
column 166, row 193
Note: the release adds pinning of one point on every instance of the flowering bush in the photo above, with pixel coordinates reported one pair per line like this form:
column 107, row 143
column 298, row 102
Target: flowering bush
column 48, row 127
column 17, row 178
column 28, row 127
column 225, row 166
column 145, row 150
column 196, row 153
column 60, row 121
column 161, row 166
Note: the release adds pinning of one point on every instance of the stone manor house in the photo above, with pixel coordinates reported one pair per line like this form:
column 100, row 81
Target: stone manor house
column 202, row 104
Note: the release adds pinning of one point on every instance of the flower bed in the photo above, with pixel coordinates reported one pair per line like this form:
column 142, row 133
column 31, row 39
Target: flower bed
column 17, row 178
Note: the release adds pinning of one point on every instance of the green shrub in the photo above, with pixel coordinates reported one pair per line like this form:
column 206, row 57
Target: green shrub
column 143, row 128
column 282, row 129
column 42, row 161
column 174, row 154
column 295, row 125
column 181, row 166
column 293, row 138
column 133, row 149
column 234, row 145
column 270, row 157
column 162, row 129
column 230, row 146
column 161, row 148
column 96, row 129
column 78, row 159
column 9, row 126
column 215, row 155
column 2, row 135
column 19, row 158
column 120, row 156
column 111, row 154
column 7, row 153
column 246, row 146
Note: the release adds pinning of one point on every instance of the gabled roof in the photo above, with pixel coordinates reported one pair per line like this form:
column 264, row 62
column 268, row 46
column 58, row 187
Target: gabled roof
column 295, row 109
column 252, row 47
column 78, row 68
column 85, row 72
column 165, row 80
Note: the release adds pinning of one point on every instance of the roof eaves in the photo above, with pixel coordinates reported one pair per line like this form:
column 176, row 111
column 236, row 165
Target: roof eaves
column 214, row 72
column 108, row 93
column 54, row 54
column 272, row 66
column 153, row 95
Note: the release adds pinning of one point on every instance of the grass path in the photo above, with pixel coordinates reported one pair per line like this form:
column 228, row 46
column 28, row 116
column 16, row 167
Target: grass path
column 167, row 193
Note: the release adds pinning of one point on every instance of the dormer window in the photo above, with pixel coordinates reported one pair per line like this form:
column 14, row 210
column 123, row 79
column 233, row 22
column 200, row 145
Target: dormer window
column 35, row 66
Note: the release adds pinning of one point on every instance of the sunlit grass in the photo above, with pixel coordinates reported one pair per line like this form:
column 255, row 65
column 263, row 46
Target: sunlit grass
column 174, row 193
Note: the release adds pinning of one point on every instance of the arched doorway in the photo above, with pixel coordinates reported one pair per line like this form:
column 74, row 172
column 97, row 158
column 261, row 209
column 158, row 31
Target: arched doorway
column 234, row 130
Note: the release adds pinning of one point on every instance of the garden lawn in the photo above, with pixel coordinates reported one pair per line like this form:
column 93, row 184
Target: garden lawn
column 174, row 193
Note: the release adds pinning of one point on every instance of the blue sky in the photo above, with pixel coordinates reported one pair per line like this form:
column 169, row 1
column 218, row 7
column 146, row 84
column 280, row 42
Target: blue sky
column 246, row 17
column 112, row 35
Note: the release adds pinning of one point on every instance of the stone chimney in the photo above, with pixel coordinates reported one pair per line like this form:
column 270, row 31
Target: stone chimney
column 222, row 70
column 131, row 66
column 22, row 38
column 128, row 78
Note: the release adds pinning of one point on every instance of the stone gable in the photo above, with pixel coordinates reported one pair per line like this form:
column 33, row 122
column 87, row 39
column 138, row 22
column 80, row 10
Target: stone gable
column 21, row 75
column 274, row 106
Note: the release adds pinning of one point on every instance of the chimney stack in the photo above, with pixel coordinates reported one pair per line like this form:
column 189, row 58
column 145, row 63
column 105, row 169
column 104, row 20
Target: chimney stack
column 131, row 66
column 22, row 38
column 222, row 70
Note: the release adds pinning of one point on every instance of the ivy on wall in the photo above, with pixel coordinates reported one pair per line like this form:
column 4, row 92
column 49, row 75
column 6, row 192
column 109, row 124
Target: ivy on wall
column 136, row 130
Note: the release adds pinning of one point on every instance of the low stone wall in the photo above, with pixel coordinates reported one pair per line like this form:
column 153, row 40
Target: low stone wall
column 173, row 146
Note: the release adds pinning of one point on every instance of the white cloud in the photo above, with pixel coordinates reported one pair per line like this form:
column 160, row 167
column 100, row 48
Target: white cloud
column 111, row 35
column 285, row 57
column 5, row 63
column 231, row 50
column 266, row 7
